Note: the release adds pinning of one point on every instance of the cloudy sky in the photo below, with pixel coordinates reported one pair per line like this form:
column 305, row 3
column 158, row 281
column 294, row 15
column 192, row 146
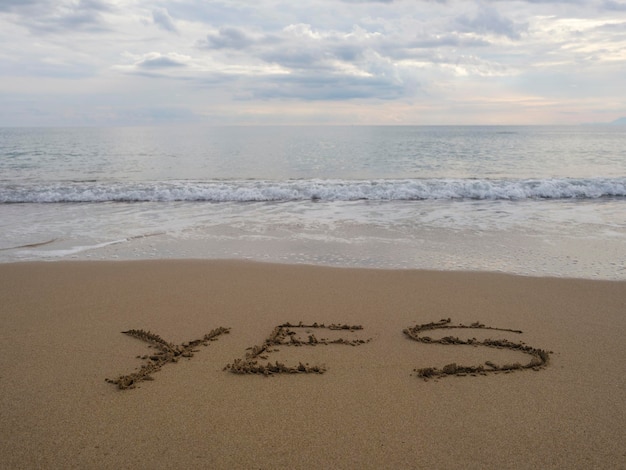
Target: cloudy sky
column 135, row 62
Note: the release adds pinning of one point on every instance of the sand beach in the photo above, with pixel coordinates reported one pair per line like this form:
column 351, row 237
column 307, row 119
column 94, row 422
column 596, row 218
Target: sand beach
column 362, row 403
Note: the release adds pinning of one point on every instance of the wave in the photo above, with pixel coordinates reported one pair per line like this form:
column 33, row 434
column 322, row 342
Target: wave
column 322, row 190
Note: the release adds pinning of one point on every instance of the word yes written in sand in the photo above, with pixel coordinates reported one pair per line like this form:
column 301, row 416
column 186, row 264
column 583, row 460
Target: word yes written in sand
column 287, row 335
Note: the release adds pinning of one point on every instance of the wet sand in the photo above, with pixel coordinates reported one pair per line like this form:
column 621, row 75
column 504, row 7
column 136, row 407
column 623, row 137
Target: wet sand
column 318, row 368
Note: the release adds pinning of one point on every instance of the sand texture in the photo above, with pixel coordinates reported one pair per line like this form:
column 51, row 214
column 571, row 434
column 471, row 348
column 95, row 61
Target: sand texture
column 227, row 364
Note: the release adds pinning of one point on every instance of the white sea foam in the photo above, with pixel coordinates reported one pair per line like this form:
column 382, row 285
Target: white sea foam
column 547, row 237
column 323, row 190
column 62, row 253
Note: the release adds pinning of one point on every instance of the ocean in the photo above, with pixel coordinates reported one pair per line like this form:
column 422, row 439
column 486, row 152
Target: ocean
column 531, row 200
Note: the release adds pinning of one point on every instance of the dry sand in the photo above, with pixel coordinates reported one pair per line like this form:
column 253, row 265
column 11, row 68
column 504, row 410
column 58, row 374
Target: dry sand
column 61, row 324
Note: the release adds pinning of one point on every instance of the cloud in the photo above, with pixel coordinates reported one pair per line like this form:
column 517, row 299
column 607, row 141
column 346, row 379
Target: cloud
column 614, row 6
column 368, row 61
column 488, row 20
column 328, row 88
column 159, row 62
column 311, row 64
column 15, row 5
column 227, row 38
column 350, row 54
column 156, row 61
column 297, row 46
column 162, row 18
column 47, row 16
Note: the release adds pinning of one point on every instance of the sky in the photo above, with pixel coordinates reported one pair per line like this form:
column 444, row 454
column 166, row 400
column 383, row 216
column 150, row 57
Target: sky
column 348, row 62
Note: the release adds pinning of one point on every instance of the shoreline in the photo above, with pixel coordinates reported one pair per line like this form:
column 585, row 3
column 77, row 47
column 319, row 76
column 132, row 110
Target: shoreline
column 62, row 324
column 534, row 274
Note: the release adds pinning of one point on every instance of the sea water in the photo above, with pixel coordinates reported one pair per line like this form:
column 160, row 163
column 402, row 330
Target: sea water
column 534, row 200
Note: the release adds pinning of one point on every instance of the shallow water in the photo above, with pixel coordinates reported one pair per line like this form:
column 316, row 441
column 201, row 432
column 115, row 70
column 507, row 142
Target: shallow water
column 527, row 200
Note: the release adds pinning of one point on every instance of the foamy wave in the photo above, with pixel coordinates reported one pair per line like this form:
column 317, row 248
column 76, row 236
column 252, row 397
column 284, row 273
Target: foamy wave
column 323, row 190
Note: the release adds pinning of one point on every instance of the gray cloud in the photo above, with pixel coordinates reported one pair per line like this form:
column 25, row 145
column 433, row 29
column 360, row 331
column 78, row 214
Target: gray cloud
column 162, row 18
column 488, row 20
column 614, row 6
column 301, row 55
column 15, row 5
column 49, row 16
column 428, row 47
column 326, row 87
column 227, row 38
column 159, row 62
